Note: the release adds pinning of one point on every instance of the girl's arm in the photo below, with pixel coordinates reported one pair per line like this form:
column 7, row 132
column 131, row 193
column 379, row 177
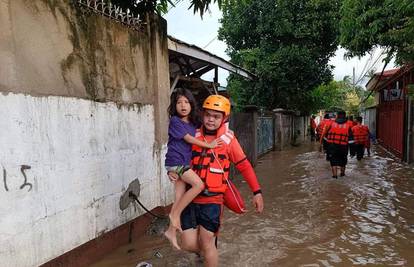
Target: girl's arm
column 194, row 141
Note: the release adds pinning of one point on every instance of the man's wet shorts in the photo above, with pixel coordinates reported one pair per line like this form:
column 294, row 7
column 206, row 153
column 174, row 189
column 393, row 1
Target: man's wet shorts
column 338, row 154
column 206, row 215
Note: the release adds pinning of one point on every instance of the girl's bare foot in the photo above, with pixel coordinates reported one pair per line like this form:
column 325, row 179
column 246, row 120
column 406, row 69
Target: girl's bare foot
column 175, row 222
column 170, row 234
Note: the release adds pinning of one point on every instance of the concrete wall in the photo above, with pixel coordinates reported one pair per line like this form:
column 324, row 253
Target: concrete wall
column 301, row 127
column 290, row 129
column 283, row 130
column 244, row 125
column 255, row 136
column 83, row 114
column 370, row 119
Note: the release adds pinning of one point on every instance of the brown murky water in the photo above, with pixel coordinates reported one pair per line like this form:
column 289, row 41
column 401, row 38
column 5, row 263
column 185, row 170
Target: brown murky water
column 310, row 219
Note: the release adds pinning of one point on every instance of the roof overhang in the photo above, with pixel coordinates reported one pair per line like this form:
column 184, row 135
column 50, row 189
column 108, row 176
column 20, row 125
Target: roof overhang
column 378, row 81
column 191, row 60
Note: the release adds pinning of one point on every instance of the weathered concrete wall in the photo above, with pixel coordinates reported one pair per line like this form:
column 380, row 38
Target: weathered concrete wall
column 290, row 129
column 244, row 125
column 83, row 107
column 300, row 131
column 51, row 48
column 283, row 130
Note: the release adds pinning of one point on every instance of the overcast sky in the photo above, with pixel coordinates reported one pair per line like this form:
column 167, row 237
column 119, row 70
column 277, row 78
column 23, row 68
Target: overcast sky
column 190, row 28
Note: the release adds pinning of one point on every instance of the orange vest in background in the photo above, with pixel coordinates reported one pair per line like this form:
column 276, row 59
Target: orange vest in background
column 361, row 134
column 312, row 123
column 338, row 133
column 350, row 123
column 321, row 126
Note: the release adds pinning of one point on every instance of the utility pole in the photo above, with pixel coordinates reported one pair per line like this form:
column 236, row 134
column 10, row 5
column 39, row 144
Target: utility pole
column 353, row 78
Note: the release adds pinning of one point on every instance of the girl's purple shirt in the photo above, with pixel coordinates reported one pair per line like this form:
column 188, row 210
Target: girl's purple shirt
column 179, row 151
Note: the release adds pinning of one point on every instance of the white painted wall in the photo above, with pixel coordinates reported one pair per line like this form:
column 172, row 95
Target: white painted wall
column 82, row 156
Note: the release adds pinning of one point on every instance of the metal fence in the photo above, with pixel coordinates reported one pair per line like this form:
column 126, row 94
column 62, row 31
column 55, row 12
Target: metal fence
column 259, row 134
column 265, row 134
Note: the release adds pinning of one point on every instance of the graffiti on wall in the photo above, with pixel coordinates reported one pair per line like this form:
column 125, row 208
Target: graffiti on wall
column 25, row 183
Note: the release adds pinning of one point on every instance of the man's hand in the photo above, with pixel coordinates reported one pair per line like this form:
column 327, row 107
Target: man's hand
column 173, row 176
column 258, row 202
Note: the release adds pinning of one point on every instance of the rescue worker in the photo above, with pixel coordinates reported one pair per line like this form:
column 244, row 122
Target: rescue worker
column 361, row 138
column 324, row 123
column 312, row 127
column 351, row 123
column 338, row 135
column 200, row 221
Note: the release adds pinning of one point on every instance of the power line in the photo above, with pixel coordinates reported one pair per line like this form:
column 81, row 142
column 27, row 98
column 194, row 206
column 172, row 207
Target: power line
column 212, row 40
column 387, row 60
column 366, row 64
column 370, row 68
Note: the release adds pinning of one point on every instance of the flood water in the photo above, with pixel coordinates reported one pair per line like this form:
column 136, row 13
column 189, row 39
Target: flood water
column 310, row 219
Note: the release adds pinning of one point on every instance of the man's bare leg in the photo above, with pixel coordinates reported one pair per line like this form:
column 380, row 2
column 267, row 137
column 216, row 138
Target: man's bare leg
column 208, row 247
column 343, row 170
column 190, row 240
column 334, row 172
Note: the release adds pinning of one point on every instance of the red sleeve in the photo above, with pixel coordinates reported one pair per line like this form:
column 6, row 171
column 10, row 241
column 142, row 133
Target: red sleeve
column 243, row 165
column 246, row 169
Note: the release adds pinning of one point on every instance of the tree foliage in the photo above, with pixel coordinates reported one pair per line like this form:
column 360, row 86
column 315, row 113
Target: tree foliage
column 340, row 95
column 367, row 24
column 162, row 6
column 287, row 43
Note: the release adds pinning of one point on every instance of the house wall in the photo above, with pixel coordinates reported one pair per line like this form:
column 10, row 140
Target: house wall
column 83, row 101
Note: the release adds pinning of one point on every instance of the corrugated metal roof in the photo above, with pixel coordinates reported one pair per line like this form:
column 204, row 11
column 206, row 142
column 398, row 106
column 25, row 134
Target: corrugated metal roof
column 200, row 58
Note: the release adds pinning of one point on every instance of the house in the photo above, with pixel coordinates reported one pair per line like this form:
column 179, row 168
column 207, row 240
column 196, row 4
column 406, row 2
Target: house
column 394, row 110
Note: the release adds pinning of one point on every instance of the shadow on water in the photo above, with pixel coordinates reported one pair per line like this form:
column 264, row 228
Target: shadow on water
column 365, row 218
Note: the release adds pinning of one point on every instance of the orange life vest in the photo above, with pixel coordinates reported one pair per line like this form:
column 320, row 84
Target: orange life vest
column 338, row 133
column 313, row 124
column 350, row 123
column 213, row 165
column 361, row 134
column 321, row 125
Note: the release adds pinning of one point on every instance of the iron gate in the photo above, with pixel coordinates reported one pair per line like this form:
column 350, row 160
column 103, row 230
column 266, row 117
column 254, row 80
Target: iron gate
column 265, row 134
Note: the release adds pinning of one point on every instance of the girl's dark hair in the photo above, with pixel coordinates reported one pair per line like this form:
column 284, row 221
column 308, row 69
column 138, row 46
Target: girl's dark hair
column 172, row 109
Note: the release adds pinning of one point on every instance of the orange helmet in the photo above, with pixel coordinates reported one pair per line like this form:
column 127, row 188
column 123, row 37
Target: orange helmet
column 217, row 103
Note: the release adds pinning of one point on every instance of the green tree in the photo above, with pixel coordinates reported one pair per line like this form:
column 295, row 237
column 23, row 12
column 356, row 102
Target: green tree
column 162, row 6
column 287, row 43
column 367, row 24
column 340, row 95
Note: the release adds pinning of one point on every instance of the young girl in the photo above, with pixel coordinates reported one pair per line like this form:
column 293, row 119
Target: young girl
column 181, row 131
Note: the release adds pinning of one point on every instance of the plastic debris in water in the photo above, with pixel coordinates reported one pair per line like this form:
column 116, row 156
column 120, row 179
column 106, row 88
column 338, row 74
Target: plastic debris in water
column 158, row 255
column 144, row 264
